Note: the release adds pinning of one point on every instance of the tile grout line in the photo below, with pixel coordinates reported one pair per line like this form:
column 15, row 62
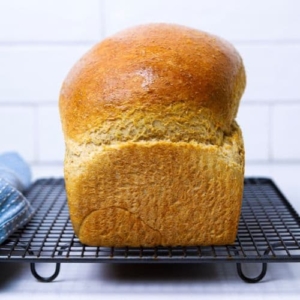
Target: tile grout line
column 36, row 133
column 271, row 132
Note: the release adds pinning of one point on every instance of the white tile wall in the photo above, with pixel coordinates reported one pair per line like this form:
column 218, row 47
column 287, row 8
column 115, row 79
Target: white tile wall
column 285, row 134
column 35, row 74
column 17, row 130
column 30, row 21
column 235, row 20
column 272, row 71
column 41, row 40
column 50, row 139
column 255, row 124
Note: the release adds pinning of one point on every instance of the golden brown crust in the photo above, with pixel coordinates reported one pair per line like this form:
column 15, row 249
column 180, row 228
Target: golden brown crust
column 153, row 154
column 148, row 67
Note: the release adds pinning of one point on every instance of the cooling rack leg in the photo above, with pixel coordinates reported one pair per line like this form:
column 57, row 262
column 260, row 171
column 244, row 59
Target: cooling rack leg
column 42, row 278
column 32, row 265
column 249, row 279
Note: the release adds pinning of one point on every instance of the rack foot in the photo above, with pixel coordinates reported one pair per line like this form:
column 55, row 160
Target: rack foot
column 251, row 279
column 42, row 278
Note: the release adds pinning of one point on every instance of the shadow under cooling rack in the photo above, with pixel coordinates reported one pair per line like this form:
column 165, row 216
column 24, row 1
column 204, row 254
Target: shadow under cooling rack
column 269, row 231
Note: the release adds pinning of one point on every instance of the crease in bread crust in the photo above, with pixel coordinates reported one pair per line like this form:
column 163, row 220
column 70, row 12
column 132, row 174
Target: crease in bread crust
column 79, row 152
column 177, row 122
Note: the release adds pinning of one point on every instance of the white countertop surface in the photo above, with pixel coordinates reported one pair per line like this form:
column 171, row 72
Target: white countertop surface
column 162, row 281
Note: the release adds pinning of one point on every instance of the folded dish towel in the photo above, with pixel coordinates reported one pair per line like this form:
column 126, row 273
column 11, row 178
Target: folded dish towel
column 15, row 209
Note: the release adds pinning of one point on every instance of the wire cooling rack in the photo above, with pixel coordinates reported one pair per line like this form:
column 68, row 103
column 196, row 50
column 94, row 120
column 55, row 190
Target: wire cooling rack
column 269, row 231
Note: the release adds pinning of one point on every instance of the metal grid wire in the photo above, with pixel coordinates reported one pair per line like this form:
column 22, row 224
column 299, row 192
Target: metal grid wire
column 269, row 231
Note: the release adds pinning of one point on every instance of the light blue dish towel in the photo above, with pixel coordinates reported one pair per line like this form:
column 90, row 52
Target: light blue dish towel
column 15, row 209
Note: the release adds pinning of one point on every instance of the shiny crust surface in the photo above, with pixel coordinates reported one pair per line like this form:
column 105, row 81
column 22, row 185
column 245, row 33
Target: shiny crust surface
column 150, row 67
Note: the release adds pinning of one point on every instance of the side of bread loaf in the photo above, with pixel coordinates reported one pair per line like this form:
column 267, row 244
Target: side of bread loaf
column 153, row 153
column 152, row 193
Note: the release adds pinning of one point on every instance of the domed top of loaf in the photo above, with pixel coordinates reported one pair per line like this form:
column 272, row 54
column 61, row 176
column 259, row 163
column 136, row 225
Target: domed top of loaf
column 150, row 67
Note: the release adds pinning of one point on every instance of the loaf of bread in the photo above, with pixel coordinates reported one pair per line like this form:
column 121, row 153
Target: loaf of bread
column 154, row 156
